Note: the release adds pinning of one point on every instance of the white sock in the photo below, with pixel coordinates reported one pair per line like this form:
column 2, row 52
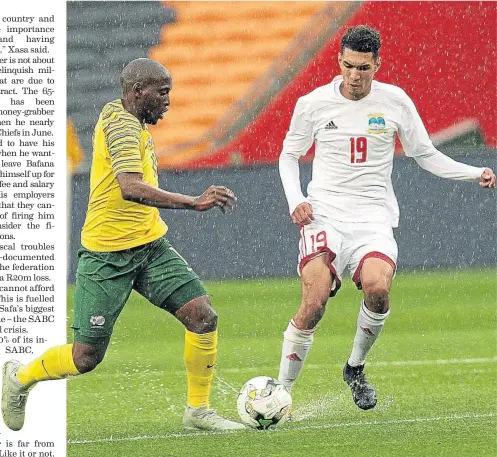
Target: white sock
column 369, row 326
column 296, row 345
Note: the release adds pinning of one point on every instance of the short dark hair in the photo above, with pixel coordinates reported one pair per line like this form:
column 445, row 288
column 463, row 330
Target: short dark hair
column 362, row 38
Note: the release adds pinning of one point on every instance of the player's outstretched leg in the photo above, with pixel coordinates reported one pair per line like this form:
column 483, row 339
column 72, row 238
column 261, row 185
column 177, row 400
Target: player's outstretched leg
column 17, row 380
column 296, row 345
column 376, row 279
column 299, row 335
column 200, row 355
column 363, row 392
column 369, row 326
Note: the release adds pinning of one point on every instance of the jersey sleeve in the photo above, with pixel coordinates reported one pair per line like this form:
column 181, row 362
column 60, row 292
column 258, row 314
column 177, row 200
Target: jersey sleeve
column 412, row 132
column 417, row 144
column 298, row 140
column 123, row 134
column 299, row 137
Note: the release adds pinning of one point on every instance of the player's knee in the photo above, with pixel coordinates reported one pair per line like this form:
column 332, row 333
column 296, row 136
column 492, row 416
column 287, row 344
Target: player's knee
column 377, row 297
column 311, row 312
column 208, row 321
column 86, row 357
column 198, row 316
column 87, row 363
column 318, row 312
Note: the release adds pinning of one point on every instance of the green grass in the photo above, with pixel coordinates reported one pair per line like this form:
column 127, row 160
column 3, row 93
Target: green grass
column 434, row 368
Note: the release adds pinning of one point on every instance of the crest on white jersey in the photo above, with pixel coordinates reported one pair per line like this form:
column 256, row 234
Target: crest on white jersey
column 376, row 123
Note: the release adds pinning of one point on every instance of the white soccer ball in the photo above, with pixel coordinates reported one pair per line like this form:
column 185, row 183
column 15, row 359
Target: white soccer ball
column 263, row 402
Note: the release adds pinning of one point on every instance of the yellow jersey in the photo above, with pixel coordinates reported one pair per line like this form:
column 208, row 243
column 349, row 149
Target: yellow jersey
column 121, row 144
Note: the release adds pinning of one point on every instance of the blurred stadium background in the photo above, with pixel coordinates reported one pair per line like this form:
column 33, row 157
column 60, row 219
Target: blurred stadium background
column 238, row 69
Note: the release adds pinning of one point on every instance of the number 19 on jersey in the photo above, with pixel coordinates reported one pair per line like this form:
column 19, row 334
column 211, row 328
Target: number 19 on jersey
column 358, row 149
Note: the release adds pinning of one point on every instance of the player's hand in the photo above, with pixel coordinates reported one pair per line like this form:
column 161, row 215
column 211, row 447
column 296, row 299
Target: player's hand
column 302, row 215
column 219, row 196
column 487, row 178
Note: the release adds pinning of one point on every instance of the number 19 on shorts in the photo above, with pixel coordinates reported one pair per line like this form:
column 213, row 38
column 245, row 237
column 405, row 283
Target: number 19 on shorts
column 358, row 149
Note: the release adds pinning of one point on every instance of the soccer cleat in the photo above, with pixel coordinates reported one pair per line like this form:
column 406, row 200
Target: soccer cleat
column 363, row 393
column 14, row 396
column 207, row 419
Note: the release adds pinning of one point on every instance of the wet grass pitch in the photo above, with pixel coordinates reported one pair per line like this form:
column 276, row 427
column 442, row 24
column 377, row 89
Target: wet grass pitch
column 434, row 368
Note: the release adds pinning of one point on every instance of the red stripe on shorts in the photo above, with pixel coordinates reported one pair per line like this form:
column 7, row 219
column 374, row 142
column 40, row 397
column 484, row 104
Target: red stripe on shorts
column 373, row 254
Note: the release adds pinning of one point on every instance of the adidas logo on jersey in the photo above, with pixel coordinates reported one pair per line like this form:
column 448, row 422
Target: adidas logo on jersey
column 330, row 126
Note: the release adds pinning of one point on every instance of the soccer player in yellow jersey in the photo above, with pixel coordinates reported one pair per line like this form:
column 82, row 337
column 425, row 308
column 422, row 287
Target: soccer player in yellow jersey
column 123, row 248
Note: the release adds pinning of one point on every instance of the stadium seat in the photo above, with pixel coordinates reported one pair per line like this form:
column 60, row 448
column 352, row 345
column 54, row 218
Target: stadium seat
column 120, row 32
column 215, row 54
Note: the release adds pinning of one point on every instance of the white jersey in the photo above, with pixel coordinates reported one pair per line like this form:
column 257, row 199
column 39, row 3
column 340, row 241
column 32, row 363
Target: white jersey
column 354, row 150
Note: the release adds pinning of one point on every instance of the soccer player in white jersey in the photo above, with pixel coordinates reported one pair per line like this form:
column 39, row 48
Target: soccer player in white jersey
column 347, row 218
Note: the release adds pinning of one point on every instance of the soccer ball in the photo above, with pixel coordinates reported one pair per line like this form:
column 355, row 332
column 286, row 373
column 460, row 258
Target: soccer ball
column 263, row 402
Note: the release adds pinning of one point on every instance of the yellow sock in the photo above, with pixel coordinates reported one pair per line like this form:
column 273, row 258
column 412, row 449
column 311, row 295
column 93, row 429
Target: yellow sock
column 200, row 356
column 54, row 363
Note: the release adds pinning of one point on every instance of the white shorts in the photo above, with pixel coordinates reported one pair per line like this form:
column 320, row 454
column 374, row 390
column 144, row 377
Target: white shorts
column 348, row 245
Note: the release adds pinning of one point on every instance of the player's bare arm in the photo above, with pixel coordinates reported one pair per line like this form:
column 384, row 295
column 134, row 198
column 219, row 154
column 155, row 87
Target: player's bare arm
column 302, row 214
column 488, row 179
column 134, row 189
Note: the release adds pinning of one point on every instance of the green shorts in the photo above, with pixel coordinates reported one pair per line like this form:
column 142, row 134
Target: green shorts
column 104, row 281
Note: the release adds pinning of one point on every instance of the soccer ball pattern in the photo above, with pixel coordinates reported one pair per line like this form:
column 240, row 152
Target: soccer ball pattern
column 263, row 402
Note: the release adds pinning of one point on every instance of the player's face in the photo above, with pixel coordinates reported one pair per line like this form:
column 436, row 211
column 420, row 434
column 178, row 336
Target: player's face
column 358, row 69
column 155, row 100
